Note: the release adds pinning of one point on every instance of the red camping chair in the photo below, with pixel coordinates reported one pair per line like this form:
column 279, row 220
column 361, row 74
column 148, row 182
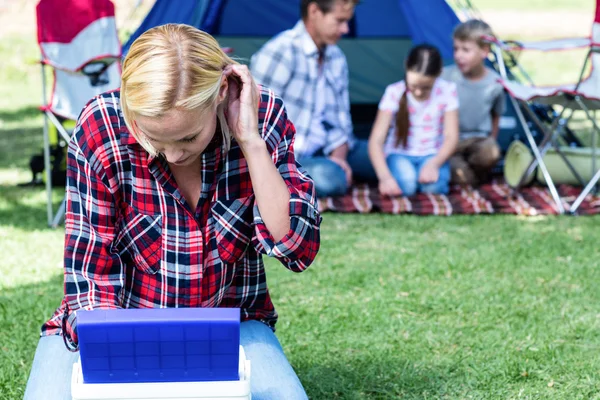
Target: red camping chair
column 78, row 40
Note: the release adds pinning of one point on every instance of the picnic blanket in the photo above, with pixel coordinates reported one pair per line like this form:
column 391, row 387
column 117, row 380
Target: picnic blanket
column 493, row 198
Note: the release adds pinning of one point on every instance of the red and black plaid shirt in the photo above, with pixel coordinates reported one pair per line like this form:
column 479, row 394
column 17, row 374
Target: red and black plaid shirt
column 132, row 241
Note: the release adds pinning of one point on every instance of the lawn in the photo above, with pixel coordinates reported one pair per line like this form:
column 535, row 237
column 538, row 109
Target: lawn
column 483, row 307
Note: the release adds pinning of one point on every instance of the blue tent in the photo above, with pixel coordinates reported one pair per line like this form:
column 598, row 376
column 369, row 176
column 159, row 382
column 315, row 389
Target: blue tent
column 380, row 33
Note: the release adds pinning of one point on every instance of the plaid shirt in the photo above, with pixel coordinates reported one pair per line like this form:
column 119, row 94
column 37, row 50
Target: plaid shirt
column 288, row 64
column 132, row 241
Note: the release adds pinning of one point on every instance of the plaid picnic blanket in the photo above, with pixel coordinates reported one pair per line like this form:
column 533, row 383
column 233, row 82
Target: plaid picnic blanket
column 494, row 198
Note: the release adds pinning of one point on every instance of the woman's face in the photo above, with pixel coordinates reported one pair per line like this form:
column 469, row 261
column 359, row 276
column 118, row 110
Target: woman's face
column 180, row 135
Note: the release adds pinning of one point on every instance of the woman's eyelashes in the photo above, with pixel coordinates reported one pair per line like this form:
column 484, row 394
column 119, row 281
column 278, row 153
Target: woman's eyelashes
column 189, row 140
column 184, row 140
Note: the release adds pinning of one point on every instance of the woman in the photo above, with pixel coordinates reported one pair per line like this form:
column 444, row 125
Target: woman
column 177, row 184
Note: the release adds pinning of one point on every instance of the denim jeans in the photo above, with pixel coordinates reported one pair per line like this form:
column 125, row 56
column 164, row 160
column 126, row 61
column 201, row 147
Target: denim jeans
column 272, row 376
column 406, row 170
column 330, row 178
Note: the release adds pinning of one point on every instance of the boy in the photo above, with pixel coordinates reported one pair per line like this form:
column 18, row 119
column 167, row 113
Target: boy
column 481, row 100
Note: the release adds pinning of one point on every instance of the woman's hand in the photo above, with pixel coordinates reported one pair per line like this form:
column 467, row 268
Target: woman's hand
column 430, row 173
column 242, row 111
column 389, row 187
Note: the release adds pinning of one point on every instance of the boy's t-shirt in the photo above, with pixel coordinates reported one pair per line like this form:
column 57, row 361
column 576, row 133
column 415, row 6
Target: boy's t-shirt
column 425, row 134
column 477, row 101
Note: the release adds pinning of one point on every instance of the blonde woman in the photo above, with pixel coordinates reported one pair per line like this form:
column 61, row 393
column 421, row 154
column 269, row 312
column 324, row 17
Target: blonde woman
column 177, row 185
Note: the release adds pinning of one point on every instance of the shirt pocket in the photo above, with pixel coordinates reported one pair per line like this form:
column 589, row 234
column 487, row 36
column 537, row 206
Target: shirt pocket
column 233, row 227
column 141, row 239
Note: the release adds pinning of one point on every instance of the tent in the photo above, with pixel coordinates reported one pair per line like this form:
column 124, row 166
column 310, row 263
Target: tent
column 380, row 35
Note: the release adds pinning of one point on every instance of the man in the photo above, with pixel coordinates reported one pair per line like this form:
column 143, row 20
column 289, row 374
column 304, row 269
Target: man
column 306, row 68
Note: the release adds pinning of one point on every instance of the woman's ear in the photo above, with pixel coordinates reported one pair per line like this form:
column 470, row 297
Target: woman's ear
column 223, row 90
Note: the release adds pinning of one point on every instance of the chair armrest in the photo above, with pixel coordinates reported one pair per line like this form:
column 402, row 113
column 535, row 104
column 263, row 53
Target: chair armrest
column 544, row 45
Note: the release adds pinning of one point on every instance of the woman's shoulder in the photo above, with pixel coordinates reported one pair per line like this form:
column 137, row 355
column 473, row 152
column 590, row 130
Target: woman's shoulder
column 100, row 117
column 100, row 126
column 268, row 97
column 273, row 124
column 271, row 110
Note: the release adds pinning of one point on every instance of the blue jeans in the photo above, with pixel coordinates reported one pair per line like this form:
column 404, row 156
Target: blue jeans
column 272, row 376
column 330, row 178
column 406, row 170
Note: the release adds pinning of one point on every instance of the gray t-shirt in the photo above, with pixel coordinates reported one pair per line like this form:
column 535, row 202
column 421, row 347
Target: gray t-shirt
column 477, row 99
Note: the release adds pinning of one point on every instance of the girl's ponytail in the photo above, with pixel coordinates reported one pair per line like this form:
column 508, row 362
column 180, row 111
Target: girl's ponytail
column 402, row 121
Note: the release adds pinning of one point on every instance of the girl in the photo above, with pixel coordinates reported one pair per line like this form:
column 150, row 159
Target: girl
column 416, row 128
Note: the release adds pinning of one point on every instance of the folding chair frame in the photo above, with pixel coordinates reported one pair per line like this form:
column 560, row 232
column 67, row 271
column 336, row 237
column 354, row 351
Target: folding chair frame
column 551, row 135
column 53, row 219
column 97, row 17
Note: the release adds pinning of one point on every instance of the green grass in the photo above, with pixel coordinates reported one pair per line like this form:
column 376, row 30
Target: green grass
column 445, row 308
column 490, row 307
column 440, row 308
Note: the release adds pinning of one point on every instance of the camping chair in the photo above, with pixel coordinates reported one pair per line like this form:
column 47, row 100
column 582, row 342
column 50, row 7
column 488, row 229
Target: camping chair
column 584, row 95
column 79, row 42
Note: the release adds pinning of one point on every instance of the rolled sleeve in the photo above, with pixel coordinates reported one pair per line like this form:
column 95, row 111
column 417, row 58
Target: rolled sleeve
column 299, row 247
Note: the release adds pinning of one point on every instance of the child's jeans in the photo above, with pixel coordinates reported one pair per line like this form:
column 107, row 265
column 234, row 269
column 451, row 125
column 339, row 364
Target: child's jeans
column 406, row 170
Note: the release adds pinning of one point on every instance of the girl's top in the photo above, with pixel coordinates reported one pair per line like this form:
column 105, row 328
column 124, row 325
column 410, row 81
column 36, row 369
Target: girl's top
column 426, row 128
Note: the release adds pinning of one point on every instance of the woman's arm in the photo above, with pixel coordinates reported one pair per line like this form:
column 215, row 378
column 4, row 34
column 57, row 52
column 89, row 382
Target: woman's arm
column 286, row 217
column 93, row 274
column 272, row 195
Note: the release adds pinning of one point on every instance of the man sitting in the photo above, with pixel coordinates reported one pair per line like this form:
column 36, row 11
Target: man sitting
column 306, row 68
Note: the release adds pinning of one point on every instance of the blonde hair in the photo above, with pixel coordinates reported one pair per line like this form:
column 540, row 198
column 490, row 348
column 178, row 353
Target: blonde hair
column 473, row 30
column 172, row 66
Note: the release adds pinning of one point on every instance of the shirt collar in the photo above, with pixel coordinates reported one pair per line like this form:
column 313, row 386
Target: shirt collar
column 126, row 136
column 308, row 45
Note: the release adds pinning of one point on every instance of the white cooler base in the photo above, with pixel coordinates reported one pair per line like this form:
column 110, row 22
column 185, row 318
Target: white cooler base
column 224, row 390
